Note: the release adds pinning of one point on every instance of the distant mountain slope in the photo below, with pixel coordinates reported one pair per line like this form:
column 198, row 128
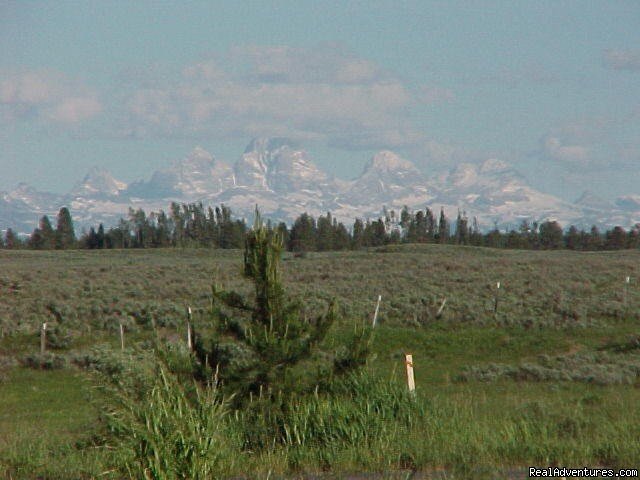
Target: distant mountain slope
column 496, row 193
column 281, row 178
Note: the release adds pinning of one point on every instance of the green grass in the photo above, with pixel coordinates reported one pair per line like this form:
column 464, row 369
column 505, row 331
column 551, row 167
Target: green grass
column 559, row 304
column 31, row 399
column 43, row 416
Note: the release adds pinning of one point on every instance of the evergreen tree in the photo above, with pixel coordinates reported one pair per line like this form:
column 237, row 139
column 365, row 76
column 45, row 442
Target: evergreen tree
column 178, row 224
column 65, row 234
column 100, row 237
column 375, row 233
column 584, row 240
column 357, row 240
column 524, row 231
column 633, row 239
column 11, row 241
column 572, row 238
column 405, row 220
column 475, row 238
column 283, row 231
column 91, row 239
column 257, row 344
column 443, row 228
column 231, row 232
column 212, row 239
column 341, row 239
column 494, row 239
column 430, row 222
column 550, row 236
column 514, row 240
column 462, row 229
column 303, row 234
column 43, row 237
column 121, row 235
column 412, row 230
column 418, row 228
column 534, row 237
column 595, row 239
column 325, row 233
column 616, row 238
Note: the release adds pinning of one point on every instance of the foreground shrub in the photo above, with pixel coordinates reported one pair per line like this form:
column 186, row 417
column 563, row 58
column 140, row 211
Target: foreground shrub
column 133, row 371
column 44, row 361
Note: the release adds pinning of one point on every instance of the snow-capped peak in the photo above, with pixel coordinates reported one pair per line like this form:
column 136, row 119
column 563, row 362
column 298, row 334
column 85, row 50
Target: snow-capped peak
column 99, row 181
column 268, row 145
column 388, row 161
column 465, row 174
column 494, row 165
column 275, row 164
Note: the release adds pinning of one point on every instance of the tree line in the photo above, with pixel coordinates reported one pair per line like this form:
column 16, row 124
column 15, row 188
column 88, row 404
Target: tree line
column 193, row 225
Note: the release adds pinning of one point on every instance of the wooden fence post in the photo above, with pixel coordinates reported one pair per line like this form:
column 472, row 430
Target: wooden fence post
column 43, row 338
column 375, row 314
column 496, row 298
column 411, row 382
column 189, row 342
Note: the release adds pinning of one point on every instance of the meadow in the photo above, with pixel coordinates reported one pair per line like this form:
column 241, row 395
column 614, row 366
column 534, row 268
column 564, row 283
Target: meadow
column 548, row 377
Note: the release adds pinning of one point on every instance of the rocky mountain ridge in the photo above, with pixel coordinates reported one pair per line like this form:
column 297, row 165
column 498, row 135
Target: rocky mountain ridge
column 284, row 182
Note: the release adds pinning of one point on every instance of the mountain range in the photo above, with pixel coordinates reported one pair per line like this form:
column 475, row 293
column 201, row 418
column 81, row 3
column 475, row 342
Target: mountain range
column 279, row 177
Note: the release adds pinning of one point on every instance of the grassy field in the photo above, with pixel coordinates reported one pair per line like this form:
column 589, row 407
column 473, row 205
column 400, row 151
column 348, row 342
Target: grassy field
column 551, row 378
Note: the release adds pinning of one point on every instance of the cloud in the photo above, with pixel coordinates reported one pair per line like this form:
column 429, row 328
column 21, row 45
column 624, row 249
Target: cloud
column 628, row 60
column 554, row 148
column 429, row 94
column 323, row 64
column 75, row 109
column 325, row 94
column 47, row 96
column 593, row 144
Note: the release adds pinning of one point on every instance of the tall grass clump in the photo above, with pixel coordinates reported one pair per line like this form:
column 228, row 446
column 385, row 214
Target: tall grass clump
column 360, row 415
column 171, row 434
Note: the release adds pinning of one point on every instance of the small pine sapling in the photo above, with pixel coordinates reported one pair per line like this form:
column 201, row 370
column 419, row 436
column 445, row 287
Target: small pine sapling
column 257, row 345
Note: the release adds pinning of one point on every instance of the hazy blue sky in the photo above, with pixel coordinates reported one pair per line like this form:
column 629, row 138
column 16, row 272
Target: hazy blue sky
column 552, row 87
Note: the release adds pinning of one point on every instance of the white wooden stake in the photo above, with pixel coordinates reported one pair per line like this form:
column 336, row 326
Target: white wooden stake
column 375, row 314
column 189, row 343
column 121, row 337
column 627, row 280
column 411, row 382
column 441, row 309
column 495, row 300
column 43, row 337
